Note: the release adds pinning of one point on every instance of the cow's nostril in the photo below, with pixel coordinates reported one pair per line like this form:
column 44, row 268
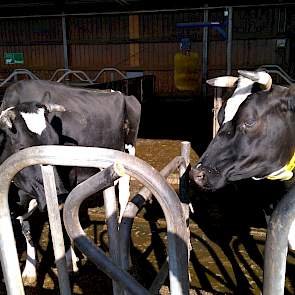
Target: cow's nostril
column 200, row 175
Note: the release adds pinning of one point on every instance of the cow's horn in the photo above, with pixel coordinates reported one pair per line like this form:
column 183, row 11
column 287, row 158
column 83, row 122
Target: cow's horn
column 54, row 107
column 6, row 117
column 261, row 77
column 223, row 81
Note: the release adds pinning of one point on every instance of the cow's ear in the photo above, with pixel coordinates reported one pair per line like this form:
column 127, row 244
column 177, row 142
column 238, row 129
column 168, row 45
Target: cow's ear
column 291, row 99
column 223, row 81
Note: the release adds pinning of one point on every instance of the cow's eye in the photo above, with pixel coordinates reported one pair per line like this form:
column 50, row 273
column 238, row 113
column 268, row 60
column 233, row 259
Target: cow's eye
column 247, row 125
column 250, row 123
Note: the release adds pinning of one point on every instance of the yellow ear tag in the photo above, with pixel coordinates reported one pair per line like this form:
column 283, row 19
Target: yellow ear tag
column 284, row 173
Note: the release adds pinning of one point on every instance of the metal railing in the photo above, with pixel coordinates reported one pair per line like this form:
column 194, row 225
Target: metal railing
column 100, row 158
column 275, row 69
column 80, row 75
column 16, row 73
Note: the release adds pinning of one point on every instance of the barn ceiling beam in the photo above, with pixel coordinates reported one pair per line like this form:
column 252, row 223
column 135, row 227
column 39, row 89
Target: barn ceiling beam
column 142, row 11
column 26, row 4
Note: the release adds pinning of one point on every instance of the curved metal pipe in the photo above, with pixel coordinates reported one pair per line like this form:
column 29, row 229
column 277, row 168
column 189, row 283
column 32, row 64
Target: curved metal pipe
column 100, row 158
column 56, row 72
column 98, row 182
column 19, row 72
column 276, row 246
column 76, row 74
column 108, row 70
column 133, row 208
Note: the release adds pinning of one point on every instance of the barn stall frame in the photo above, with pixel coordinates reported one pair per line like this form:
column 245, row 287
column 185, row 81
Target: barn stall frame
column 100, row 158
column 276, row 247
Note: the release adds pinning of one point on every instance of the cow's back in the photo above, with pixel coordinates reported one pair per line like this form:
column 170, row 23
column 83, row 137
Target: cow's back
column 92, row 118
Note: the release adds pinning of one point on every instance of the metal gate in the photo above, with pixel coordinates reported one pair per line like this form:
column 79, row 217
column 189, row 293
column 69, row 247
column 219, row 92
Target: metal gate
column 178, row 234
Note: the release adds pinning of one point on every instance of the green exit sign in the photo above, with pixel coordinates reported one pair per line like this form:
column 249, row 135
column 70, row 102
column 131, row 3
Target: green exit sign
column 12, row 58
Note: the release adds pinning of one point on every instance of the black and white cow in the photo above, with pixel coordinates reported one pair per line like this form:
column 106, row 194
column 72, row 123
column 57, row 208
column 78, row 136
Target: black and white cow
column 42, row 113
column 256, row 138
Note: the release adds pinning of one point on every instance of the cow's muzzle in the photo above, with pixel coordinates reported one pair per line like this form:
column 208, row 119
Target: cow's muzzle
column 198, row 175
column 205, row 177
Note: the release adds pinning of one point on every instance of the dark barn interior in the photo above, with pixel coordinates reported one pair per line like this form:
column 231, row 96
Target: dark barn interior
column 163, row 52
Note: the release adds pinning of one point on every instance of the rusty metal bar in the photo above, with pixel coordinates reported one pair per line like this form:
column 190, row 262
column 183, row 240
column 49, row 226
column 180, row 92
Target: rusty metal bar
column 276, row 247
column 56, row 229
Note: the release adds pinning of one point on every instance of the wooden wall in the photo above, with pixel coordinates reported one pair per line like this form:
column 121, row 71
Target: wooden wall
column 148, row 42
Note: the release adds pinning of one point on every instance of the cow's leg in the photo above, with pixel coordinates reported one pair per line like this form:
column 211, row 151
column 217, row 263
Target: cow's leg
column 29, row 274
column 124, row 185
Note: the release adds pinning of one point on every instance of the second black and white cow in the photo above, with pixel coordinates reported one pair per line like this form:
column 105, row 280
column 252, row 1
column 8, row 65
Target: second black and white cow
column 256, row 138
column 43, row 113
column 59, row 114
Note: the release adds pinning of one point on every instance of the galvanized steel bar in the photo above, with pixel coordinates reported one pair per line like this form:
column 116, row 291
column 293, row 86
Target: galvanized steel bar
column 102, row 158
column 103, row 179
column 8, row 253
column 131, row 211
column 110, row 204
column 56, row 229
column 183, row 182
column 133, row 208
column 276, row 247
column 183, row 195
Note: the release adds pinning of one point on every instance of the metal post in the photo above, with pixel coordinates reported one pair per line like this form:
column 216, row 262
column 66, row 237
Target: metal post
column 133, row 208
column 229, row 41
column 276, row 246
column 65, row 42
column 110, row 204
column 99, row 158
column 185, row 153
column 56, row 229
column 8, row 253
column 205, row 54
column 216, row 108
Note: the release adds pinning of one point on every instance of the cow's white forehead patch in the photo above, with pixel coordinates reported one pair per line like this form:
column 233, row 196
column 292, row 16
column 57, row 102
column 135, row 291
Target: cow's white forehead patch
column 242, row 91
column 35, row 121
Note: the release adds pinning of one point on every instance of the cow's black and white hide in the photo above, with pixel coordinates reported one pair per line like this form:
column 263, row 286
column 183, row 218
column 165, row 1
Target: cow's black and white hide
column 86, row 118
column 256, row 138
column 92, row 118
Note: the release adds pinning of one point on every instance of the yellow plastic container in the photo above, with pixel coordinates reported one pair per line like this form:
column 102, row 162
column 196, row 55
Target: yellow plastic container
column 187, row 71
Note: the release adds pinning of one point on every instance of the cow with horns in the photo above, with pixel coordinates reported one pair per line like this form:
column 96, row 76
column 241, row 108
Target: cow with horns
column 256, row 138
column 50, row 113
